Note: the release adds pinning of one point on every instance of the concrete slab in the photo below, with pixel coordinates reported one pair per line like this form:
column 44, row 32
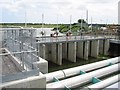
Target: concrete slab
column 8, row 67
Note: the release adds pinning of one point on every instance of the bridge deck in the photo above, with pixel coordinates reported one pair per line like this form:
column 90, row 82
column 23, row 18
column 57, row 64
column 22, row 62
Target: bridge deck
column 70, row 39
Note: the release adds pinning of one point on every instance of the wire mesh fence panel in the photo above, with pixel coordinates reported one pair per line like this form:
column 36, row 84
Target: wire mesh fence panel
column 20, row 45
column 23, row 41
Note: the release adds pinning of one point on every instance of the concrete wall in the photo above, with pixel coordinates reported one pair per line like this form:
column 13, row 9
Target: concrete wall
column 30, row 82
column 15, row 60
column 42, row 64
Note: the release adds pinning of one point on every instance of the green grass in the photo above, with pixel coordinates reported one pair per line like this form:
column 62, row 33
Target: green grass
column 30, row 25
column 101, row 56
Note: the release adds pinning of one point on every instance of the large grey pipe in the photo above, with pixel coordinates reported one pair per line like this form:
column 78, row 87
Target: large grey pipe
column 78, row 80
column 76, row 70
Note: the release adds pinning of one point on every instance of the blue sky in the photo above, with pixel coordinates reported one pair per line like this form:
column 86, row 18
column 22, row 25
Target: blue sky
column 101, row 11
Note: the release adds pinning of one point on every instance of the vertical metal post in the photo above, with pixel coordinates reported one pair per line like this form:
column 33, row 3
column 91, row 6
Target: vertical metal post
column 25, row 18
column 91, row 24
column 13, row 40
column 42, row 22
column 87, row 16
column 31, row 44
column 21, row 46
column 7, row 38
column 57, row 22
column 81, row 28
column 70, row 22
column 87, row 19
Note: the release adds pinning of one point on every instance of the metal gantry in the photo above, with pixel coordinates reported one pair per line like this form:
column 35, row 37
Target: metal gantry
column 21, row 44
column 22, row 41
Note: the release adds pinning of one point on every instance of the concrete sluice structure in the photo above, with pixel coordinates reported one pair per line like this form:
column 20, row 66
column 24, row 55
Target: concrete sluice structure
column 18, row 53
column 72, row 49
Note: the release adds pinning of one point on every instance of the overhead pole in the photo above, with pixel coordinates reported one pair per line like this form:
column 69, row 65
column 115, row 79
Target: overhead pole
column 25, row 18
column 91, row 24
column 42, row 21
column 70, row 22
column 87, row 18
column 57, row 22
column 81, row 24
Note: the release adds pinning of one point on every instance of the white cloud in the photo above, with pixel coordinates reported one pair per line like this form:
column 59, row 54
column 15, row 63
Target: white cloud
column 99, row 9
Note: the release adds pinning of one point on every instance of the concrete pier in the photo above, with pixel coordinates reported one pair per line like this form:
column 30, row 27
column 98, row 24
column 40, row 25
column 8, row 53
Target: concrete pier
column 48, row 52
column 106, row 46
column 56, row 53
column 86, row 47
column 72, row 51
column 60, row 54
column 89, row 48
column 65, row 50
column 95, row 48
column 101, row 46
column 42, row 51
column 80, row 49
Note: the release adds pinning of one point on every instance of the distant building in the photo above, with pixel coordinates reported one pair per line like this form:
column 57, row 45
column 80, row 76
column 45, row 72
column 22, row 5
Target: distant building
column 119, row 12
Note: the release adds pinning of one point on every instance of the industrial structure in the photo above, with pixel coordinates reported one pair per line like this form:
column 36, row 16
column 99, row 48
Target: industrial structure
column 56, row 49
column 19, row 58
column 24, row 60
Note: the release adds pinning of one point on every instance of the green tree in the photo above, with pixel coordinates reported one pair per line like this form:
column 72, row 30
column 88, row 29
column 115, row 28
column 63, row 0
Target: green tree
column 81, row 20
